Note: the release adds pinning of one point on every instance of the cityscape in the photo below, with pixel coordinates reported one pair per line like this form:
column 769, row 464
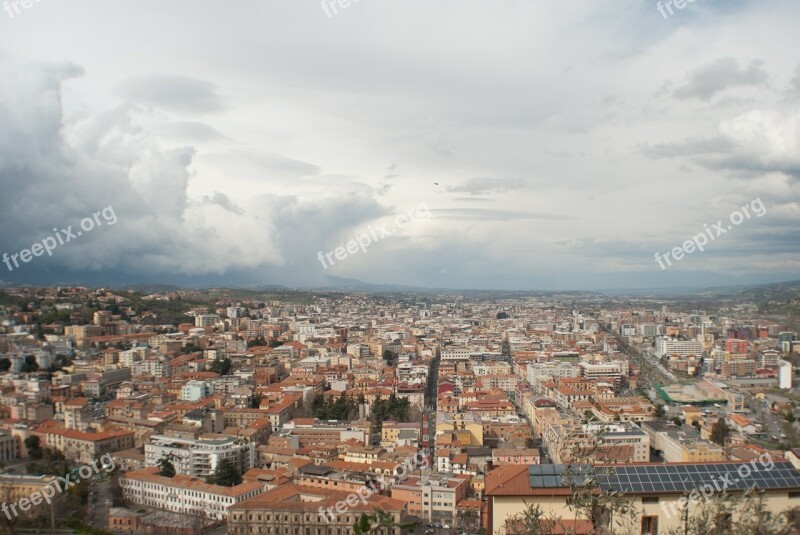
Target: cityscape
column 399, row 267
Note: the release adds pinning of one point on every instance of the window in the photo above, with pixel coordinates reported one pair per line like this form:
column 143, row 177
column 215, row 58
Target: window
column 649, row 525
column 650, row 499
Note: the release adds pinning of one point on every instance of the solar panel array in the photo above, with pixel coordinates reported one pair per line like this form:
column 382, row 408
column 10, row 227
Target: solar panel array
column 668, row 478
column 554, row 476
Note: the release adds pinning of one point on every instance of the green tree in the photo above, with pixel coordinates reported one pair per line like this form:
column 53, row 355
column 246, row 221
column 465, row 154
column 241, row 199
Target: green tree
column 226, row 475
column 30, row 364
column 380, row 521
column 34, row 447
column 532, row 521
column 735, row 514
column 222, row 367
column 719, row 432
column 167, row 468
column 658, row 410
column 258, row 341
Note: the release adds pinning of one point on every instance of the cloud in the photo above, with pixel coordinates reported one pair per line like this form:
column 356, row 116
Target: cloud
column 485, row 214
column 751, row 144
column 54, row 172
column 171, row 93
column 484, row 186
column 719, row 75
column 191, row 131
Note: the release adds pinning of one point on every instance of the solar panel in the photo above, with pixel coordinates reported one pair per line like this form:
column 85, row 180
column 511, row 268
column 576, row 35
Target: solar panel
column 664, row 478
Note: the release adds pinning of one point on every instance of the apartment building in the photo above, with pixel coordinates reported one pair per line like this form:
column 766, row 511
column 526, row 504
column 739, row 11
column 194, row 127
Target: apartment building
column 311, row 431
column 83, row 446
column 196, row 390
column 200, row 457
column 680, row 446
column 432, row 499
column 673, row 346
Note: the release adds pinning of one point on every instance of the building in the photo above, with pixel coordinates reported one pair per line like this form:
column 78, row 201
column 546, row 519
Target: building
column 433, row 499
column 9, row 446
column 200, row 457
column 516, row 456
column 657, row 491
column 679, row 445
column 399, row 434
column 82, row 446
column 785, row 375
column 311, row 431
column 292, row 509
column 672, row 346
column 196, row 390
column 185, row 495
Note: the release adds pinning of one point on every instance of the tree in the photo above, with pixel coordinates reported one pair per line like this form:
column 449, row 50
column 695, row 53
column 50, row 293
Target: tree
column 258, row 341
column 30, row 364
column 33, row 445
column 532, row 521
column 469, row 519
column 735, row 514
column 380, row 521
column 658, row 411
column 719, row 432
column 226, row 475
column 222, row 367
column 605, row 509
column 166, row 466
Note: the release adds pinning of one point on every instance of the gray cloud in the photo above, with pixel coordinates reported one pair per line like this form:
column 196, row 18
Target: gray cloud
column 486, row 214
column 172, row 93
column 706, row 81
column 191, row 131
column 484, row 186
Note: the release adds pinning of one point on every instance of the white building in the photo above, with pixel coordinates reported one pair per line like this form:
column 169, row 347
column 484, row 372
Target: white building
column 546, row 371
column 206, row 320
column 196, row 390
column 200, row 457
column 455, row 353
column 185, row 495
column 673, row 346
column 784, row 375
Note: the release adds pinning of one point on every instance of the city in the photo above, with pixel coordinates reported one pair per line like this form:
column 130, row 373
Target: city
column 243, row 412
column 400, row 267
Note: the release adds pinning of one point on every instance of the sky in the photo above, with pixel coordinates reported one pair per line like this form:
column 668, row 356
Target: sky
column 511, row 144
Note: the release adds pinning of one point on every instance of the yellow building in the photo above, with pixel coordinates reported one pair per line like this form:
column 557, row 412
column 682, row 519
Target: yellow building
column 468, row 425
